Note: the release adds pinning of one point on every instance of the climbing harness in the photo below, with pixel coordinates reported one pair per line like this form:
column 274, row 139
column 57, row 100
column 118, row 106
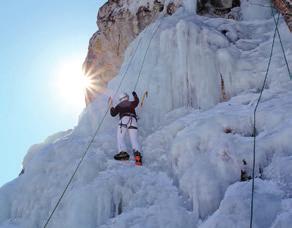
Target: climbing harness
column 102, row 120
column 129, row 124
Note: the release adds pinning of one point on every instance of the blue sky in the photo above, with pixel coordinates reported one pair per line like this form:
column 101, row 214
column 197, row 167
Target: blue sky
column 36, row 37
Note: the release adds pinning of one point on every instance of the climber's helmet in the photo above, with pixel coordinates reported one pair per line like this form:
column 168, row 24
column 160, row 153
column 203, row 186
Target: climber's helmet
column 123, row 97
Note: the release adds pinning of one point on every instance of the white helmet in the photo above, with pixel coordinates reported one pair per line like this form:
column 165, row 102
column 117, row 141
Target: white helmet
column 123, row 96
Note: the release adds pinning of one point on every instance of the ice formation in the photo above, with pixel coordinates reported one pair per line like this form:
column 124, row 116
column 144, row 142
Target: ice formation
column 194, row 136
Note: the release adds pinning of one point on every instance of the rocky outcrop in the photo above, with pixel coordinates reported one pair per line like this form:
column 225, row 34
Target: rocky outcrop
column 119, row 22
column 221, row 8
column 285, row 7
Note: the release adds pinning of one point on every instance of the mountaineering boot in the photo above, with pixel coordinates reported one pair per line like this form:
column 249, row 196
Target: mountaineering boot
column 122, row 156
column 138, row 158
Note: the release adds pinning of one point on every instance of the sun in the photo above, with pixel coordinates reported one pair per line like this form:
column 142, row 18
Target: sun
column 71, row 83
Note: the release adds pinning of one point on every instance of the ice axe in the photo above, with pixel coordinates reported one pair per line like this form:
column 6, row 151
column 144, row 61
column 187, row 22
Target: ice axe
column 110, row 102
column 145, row 95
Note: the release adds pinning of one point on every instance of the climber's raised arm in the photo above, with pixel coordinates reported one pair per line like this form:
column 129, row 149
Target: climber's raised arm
column 136, row 100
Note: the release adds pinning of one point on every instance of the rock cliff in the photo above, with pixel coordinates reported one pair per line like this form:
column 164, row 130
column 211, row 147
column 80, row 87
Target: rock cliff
column 119, row 22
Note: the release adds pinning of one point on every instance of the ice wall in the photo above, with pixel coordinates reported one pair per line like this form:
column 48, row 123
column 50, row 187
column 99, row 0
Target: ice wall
column 197, row 62
column 191, row 164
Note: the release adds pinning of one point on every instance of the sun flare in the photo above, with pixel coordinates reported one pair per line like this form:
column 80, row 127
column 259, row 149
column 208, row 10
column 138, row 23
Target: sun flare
column 71, row 83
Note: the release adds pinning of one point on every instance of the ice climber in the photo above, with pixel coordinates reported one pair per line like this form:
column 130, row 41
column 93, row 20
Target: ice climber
column 127, row 123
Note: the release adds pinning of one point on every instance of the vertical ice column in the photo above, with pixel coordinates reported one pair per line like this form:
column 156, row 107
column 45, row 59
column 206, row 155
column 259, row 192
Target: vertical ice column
column 190, row 5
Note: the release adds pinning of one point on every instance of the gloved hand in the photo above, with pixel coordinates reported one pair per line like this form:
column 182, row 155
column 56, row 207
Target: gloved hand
column 134, row 93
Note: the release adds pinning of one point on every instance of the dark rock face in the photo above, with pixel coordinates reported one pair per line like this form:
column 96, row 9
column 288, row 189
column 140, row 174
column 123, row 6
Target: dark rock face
column 171, row 7
column 221, row 8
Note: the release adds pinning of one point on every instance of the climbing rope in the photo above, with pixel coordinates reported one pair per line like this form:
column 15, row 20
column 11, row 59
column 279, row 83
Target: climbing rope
column 144, row 58
column 254, row 124
column 282, row 47
column 278, row 33
column 100, row 124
